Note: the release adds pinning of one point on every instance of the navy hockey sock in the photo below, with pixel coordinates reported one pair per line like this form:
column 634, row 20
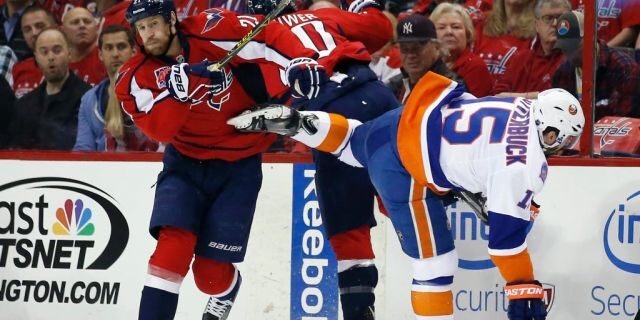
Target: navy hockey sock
column 157, row 304
column 357, row 295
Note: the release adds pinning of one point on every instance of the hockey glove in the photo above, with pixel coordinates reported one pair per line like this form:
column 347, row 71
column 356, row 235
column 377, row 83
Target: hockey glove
column 193, row 83
column 306, row 77
column 525, row 301
column 358, row 6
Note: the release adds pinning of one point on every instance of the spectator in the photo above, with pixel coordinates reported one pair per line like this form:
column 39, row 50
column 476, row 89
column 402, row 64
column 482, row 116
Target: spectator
column 617, row 73
column 420, row 51
column 58, row 8
column 455, row 32
column 11, row 34
column 618, row 21
column 482, row 5
column 100, row 117
column 426, row 7
column 26, row 75
column 475, row 8
column 7, row 61
column 385, row 62
column 531, row 70
column 509, row 27
column 7, row 98
column 82, row 30
column 47, row 117
column 111, row 12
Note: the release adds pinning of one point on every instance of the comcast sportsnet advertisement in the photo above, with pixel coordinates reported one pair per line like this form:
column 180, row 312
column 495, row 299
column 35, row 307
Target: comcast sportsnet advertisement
column 68, row 236
column 58, row 224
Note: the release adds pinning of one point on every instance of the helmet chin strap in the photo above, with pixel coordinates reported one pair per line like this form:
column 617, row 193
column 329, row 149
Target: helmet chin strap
column 172, row 35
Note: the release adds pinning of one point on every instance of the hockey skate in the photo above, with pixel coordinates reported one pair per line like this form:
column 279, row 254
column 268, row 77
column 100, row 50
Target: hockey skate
column 274, row 118
column 218, row 308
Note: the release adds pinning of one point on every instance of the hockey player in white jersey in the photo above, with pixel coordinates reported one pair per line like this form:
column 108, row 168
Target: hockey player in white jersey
column 442, row 140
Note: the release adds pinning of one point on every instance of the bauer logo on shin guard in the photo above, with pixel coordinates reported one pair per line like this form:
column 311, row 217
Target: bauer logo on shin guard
column 224, row 247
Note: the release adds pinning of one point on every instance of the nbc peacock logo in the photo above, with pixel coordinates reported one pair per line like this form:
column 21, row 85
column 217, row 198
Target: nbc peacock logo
column 73, row 219
column 60, row 223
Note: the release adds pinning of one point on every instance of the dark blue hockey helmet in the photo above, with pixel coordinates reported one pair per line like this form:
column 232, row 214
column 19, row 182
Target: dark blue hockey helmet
column 263, row 7
column 140, row 9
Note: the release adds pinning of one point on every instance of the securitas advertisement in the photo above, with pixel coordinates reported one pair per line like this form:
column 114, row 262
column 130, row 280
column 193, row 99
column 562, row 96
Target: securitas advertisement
column 52, row 225
column 314, row 283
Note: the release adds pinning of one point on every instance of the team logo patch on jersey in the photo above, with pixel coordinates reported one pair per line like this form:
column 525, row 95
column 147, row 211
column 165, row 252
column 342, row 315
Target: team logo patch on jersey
column 161, row 74
column 543, row 172
column 563, row 27
column 573, row 110
column 213, row 18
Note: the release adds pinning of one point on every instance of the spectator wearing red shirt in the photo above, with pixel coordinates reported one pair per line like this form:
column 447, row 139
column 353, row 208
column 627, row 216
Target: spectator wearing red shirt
column 109, row 12
column 531, row 71
column 475, row 8
column 26, row 74
column 82, row 30
column 617, row 73
column 455, row 31
column 508, row 28
column 618, row 21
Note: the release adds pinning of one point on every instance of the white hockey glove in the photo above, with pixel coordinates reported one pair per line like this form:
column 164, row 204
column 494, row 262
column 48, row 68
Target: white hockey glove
column 193, row 83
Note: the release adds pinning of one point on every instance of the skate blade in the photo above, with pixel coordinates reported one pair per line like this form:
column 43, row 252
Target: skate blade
column 245, row 120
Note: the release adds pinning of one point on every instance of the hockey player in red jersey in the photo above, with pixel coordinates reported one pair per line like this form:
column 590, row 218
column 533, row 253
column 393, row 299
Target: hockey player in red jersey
column 344, row 39
column 206, row 193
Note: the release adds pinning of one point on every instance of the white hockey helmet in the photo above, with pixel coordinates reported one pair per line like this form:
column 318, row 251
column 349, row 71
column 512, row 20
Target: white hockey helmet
column 558, row 110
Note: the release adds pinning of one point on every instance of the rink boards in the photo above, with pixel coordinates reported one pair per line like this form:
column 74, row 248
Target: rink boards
column 74, row 245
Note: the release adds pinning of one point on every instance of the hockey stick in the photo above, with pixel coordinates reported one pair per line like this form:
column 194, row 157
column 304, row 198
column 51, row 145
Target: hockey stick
column 249, row 36
column 476, row 201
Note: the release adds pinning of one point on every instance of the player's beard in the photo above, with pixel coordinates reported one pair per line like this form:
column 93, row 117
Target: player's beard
column 157, row 49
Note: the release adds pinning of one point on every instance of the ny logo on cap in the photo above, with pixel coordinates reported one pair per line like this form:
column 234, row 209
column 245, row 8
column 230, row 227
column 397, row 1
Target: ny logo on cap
column 407, row 28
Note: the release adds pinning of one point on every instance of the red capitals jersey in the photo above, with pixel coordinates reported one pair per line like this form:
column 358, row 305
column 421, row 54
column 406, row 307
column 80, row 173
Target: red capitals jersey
column 59, row 7
column 336, row 35
column 613, row 16
column 26, row 77
column 90, row 69
column 496, row 51
column 115, row 15
column 200, row 130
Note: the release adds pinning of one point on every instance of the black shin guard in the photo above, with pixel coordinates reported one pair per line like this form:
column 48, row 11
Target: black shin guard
column 357, row 295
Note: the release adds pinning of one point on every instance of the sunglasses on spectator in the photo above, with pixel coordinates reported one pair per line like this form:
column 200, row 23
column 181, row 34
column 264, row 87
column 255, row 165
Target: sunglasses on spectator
column 550, row 18
column 412, row 47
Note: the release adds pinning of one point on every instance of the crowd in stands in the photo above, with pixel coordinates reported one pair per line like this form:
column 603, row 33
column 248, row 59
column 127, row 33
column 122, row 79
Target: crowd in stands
column 59, row 60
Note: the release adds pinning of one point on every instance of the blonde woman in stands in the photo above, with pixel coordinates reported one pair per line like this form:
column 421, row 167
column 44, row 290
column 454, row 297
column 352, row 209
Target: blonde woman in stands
column 455, row 32
column 101, row 123
column 509, row 27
